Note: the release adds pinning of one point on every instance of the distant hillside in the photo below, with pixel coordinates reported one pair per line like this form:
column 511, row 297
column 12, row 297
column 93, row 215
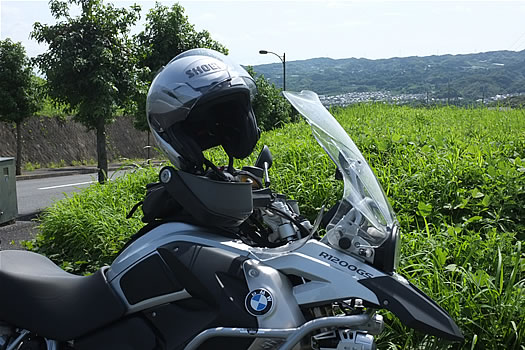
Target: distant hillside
column 467, row 77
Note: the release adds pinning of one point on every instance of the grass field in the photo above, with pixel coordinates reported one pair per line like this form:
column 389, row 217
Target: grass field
column 455, row 177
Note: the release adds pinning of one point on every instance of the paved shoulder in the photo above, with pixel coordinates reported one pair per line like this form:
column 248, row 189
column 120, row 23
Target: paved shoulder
column 12, row 235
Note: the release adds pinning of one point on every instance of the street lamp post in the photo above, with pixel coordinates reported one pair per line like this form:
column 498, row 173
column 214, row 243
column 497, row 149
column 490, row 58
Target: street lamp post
column 283, row 60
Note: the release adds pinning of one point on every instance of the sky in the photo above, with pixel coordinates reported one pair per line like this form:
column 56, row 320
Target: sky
column 322, row 28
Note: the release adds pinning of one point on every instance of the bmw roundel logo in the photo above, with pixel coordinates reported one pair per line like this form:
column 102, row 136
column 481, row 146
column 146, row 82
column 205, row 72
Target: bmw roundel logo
column 258, row 302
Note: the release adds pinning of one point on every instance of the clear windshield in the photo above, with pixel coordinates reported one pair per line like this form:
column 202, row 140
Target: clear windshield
column 364, row 212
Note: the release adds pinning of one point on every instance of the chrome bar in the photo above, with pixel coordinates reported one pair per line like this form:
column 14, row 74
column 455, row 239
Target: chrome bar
column 17, row 341
column 335, row 321
column 291, row 335
column 237, row 332
column 51, row 344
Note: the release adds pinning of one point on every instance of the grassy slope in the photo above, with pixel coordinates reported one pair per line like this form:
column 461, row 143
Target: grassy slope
column 455, row 177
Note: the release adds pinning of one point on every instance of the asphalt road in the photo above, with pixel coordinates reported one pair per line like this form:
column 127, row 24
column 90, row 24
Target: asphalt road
column 35, row 195
column 13, row 234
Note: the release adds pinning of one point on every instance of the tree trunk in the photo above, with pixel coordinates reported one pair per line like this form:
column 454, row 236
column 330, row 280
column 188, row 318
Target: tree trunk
column 102, row 155
column 18, row 165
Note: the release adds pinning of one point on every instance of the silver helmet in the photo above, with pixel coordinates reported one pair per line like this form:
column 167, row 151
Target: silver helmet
column 199, row 100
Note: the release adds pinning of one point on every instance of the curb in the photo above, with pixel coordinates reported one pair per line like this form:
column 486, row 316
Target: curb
column 29, row 216
column 46, row 175
column 58, row 173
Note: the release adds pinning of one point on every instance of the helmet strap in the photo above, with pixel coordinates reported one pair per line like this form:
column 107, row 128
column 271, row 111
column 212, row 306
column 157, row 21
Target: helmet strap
column 230, row 164
column 216, row 170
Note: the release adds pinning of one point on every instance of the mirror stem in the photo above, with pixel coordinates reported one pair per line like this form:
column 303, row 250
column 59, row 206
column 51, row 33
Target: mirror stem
column 266, row 176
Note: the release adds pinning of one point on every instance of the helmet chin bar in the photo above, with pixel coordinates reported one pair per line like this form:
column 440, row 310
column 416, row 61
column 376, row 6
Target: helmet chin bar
column 177, row 160
column 174, row 157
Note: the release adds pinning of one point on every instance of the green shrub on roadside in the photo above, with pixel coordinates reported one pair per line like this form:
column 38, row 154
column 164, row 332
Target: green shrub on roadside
column 85, row 230
column 455, row 177
column 269, row 105
column 29, row 166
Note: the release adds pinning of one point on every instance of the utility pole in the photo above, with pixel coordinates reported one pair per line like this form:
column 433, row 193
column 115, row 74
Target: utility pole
column 448, row 92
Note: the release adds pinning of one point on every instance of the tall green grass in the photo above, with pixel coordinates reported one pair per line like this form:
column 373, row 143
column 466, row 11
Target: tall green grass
column 455, row 177
column 85, row 230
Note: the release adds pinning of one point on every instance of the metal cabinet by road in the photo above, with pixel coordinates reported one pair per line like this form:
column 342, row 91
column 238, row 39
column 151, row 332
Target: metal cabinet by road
column 8, row 204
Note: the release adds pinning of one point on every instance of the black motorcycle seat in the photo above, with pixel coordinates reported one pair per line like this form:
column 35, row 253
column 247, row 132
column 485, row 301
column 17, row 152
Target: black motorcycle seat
column 35, row 294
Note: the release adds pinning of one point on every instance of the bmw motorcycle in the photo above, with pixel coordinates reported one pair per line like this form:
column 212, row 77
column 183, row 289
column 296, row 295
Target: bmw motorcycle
column 244, row 272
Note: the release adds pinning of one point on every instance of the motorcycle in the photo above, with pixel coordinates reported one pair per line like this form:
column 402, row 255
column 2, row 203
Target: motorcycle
column 244, row 272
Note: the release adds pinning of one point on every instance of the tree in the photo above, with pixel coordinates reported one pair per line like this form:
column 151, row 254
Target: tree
column 18, row 97
column 167, row 33
column 89, row 65
column 270, row 108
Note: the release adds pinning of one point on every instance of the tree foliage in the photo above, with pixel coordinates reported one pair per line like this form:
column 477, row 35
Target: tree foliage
column 18, row 97
column 89, row 64
column 270, row 108
column 167, row 33
column 49, row 108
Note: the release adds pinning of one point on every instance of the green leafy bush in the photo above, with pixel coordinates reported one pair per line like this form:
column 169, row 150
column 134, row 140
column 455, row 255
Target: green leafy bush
column 455, row 177
column 270, row 107
column 85, row 230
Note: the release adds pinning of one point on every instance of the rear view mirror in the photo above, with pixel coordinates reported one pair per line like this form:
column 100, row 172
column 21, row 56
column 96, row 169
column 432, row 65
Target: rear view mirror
column 264, row 157
column 264, row 161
